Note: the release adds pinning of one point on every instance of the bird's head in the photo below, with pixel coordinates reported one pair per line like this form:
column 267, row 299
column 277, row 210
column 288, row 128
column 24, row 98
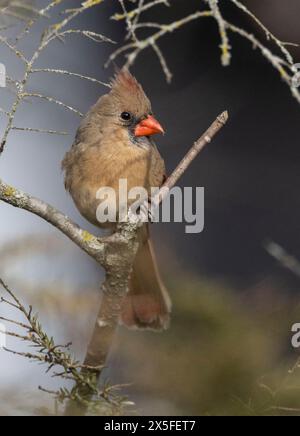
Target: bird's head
column 128, row 107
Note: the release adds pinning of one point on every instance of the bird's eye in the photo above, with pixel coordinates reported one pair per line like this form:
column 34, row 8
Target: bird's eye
column 126, row 116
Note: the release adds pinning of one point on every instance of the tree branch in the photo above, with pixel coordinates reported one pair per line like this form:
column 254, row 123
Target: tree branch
column 140, row 40
column 90, row 244
column 204, row 140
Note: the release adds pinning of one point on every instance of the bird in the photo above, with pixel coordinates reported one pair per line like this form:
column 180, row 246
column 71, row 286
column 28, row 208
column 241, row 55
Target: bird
column 115, row 141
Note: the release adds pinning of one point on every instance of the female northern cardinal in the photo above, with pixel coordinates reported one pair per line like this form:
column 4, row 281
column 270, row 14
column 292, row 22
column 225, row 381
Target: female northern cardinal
column 114, row 142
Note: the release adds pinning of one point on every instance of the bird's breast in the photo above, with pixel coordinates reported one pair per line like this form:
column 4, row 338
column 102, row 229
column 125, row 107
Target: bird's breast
column 112, row 165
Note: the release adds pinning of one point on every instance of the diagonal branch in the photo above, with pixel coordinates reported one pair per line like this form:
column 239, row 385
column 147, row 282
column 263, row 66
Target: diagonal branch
column 283, row 257
column 71, row 74
column 198, row 146
column 52, row 100
column 268, row 33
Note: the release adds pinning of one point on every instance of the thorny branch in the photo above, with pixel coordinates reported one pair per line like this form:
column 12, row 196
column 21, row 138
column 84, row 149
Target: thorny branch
column 59, row 361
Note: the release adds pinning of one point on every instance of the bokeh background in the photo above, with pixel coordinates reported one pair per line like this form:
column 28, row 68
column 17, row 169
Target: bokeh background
column 229, row 348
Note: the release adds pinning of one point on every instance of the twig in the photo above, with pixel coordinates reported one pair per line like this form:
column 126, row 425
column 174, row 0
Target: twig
column 276, row 61
column 199, row 145
column 69, row 73
column 34, row 130
column 225, row 45
column 52, row 100
column 138, row 46
column 163, row 62
column 139, row 10
column 55, row 31
column 132, row 49
column 130, row 25
column 283, row 257
column 268, row 33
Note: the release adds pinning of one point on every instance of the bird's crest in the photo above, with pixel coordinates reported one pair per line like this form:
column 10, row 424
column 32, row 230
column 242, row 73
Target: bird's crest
column 128, row 91
column 124, row 79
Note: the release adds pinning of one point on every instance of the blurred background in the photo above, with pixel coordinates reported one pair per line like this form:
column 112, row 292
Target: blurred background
column 229, row 348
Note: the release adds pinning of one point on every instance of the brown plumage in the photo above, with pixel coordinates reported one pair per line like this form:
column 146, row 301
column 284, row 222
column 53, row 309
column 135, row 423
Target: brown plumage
column 112, row 143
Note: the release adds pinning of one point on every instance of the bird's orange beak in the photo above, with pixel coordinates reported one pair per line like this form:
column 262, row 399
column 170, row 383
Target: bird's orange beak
column 149, row 126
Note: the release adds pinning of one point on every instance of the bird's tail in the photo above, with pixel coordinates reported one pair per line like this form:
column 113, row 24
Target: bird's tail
column 147, row 304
